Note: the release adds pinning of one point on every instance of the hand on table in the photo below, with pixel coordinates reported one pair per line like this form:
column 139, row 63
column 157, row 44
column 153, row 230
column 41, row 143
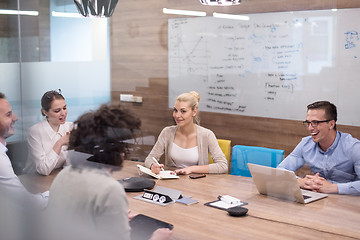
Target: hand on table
column 183, row 171
column 162, row 234
column 317, row 184
column 131, row 216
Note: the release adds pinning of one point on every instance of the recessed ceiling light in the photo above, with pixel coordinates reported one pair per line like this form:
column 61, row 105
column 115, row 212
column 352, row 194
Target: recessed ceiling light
column 231, row 16
column 184, row 12
column 17, row 12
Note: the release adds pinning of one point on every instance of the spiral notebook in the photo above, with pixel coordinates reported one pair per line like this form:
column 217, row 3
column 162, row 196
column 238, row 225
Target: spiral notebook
column 167, row 174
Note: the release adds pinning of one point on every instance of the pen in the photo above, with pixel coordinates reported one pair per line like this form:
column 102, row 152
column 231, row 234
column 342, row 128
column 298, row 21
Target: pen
column 156, row 161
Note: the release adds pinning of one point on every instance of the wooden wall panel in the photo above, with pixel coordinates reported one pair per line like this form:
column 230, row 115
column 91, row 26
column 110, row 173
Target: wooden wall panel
column 44, row 30
column 139, row 66
column 4, row 28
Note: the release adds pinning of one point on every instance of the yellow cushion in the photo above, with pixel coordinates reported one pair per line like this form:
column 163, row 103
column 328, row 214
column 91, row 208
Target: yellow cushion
column 225, row 146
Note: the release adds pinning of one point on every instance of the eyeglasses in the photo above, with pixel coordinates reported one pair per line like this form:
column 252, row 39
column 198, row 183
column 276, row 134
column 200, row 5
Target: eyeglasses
column 314, row 123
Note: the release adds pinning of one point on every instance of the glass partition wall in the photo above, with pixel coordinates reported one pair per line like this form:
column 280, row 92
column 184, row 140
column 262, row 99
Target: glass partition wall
column 46, row 45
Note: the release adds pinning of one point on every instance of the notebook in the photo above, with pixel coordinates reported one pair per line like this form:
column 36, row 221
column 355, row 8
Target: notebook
column 281, row 183
column 162, row 175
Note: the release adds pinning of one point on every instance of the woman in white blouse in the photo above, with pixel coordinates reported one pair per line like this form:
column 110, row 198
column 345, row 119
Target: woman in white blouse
column 48, row 139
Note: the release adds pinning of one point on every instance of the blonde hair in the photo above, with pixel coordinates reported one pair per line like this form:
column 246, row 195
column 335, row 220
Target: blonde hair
column 193, row 98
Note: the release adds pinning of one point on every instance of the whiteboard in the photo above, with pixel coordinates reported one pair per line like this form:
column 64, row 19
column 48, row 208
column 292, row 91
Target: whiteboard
column 273, row 65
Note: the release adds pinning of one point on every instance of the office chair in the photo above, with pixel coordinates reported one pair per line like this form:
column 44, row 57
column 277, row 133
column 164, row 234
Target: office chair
column 225, row 146
column 241, row 155
column 17, row 152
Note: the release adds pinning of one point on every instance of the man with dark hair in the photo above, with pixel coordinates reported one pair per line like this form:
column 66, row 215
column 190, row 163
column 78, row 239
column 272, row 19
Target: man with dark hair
column 333, row 156
column 10, row 185
column 85, row 200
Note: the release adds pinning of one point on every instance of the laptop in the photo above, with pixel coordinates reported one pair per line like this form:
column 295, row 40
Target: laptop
column 281, row 183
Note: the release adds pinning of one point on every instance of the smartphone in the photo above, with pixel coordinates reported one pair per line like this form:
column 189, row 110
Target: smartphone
column 195, row 176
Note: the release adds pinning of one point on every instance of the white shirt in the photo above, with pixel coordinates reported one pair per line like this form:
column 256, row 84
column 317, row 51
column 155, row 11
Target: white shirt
column 185, row 157
column 87, row 203
column 11, row 186
column 41, row 140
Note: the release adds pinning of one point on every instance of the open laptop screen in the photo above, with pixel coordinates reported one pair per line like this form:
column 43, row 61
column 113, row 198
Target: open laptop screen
column 280, row 183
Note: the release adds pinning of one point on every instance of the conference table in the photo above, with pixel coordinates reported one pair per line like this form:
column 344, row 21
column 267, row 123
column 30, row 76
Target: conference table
column 335, row 217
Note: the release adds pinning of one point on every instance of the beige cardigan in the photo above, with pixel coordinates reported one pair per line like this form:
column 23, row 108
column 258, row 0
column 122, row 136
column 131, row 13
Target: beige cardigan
column 206, row 142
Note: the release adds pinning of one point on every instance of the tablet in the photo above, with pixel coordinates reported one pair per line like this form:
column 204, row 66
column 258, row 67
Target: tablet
column 142, row 226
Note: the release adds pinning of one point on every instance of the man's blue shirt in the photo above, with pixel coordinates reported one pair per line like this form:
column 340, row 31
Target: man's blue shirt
column 340, row 164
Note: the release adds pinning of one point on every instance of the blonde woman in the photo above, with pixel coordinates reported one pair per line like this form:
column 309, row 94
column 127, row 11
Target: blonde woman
column 187, row 145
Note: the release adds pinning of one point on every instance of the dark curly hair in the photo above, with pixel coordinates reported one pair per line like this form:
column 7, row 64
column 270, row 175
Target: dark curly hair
column 102, row 132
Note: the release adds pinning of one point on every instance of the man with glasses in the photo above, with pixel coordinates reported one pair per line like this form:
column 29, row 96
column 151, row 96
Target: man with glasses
column 333, row 156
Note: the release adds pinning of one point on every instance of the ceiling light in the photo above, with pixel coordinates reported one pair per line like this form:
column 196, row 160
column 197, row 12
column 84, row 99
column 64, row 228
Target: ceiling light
column 231, row 16
column 66, row 14
column 220, row 2
column 16, row 12
column 184, row 12
column 97, row 8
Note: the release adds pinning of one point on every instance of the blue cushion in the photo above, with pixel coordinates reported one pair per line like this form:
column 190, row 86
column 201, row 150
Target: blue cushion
column 241, row 155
